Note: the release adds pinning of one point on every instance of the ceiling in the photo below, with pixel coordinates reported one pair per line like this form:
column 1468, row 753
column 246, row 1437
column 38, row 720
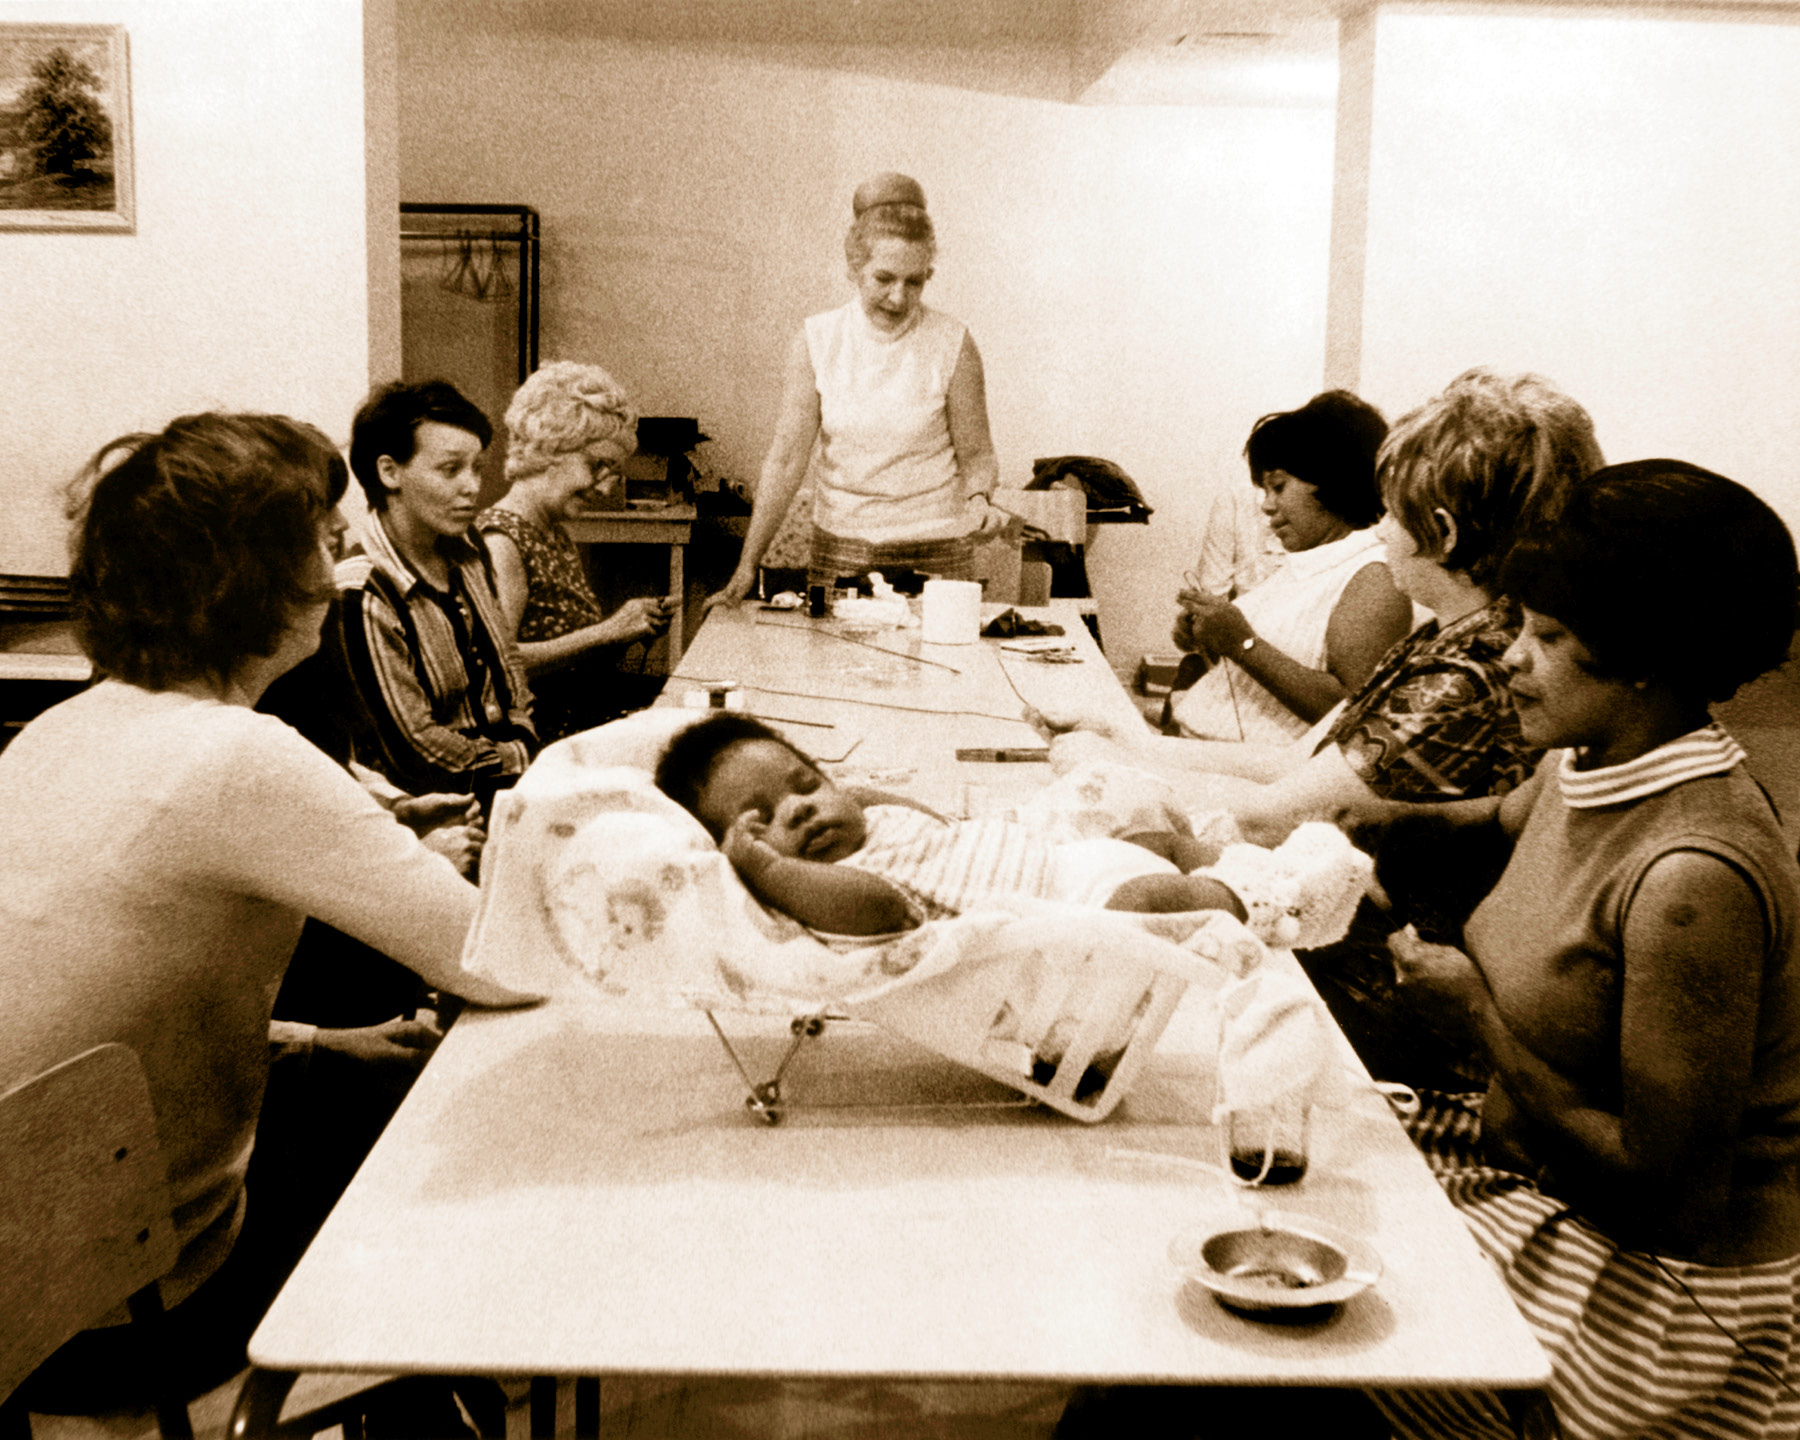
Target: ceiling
column 1081, row 51
column 1111, row 51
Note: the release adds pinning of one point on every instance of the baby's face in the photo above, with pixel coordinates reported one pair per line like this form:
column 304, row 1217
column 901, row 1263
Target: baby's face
column 806, row 815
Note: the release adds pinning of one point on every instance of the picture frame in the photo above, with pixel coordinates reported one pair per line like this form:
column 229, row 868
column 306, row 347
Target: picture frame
column 65, row 128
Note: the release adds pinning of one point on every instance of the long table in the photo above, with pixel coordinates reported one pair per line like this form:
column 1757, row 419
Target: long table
column 577, row 1190
column 886, row 704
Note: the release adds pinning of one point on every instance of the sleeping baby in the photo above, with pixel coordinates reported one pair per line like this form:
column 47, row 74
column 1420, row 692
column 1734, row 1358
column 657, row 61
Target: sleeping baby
column 855, row 863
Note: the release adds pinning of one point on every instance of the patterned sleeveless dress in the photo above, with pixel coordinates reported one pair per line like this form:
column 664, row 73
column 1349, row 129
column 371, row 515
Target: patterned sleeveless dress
column 559, row 600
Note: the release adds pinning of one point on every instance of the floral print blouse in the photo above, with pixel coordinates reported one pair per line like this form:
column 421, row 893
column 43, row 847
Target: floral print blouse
column 558, row 596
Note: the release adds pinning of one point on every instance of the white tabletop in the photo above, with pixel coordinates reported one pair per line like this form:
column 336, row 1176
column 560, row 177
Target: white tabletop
column 578, row 1189
column 896, row 710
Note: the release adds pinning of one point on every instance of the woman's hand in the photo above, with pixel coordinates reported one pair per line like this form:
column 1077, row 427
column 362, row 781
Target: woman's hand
column 990, row 519
column 1214, row 625
column 736, row 588
column 461, row 844
column 422, row 814
column 395, row 1044
column 1183, row 636
column 644, row 617
column 1051, row 723
column 1442, row 985
column 447, row 825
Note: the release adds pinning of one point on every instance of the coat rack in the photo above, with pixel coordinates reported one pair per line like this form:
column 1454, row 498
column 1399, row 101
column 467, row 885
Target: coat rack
column 489, row 254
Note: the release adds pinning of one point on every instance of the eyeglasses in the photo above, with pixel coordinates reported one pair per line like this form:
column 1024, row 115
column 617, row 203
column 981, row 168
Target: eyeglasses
column 603, row 471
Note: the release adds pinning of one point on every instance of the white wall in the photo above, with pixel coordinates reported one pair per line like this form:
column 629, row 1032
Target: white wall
column 246, row 282
column 1143, row 281
column 381, row 195
column 1610, row 201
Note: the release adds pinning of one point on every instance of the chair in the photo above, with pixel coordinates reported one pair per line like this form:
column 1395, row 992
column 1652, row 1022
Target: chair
column 85, row 1225
column 1187, row 675
column 84, row 1222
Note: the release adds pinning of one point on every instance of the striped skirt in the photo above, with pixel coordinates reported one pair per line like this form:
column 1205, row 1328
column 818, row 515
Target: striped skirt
column 1638, row 1346
column 837, row 555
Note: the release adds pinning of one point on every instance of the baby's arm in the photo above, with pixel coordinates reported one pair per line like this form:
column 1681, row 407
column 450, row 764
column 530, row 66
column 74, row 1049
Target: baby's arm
column 835, row 898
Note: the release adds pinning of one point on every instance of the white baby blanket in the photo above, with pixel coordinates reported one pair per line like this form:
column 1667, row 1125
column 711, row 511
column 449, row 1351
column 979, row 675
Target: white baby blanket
column 592, row 879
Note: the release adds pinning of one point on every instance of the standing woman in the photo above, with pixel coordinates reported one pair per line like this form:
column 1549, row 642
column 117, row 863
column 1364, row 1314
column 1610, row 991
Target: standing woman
column 892, row 395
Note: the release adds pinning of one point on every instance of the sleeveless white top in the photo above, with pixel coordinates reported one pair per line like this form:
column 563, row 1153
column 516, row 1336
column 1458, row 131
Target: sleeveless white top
column 885, row 468
column 1290, row 610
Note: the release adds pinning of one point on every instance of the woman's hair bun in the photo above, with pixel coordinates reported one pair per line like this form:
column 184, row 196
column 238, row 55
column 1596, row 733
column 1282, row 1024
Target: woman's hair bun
column 887, row 188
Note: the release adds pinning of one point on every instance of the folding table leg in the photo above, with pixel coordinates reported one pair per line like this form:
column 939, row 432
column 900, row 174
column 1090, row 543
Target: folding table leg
column 587, row 1408
column 258, row 1409
column 543, row 1407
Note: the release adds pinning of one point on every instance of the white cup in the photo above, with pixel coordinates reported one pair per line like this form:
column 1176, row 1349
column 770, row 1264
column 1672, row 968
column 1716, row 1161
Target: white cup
column 952, row 612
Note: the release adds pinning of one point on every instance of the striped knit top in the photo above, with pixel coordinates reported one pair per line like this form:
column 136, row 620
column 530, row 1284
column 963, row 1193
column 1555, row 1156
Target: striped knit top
column 949, row 868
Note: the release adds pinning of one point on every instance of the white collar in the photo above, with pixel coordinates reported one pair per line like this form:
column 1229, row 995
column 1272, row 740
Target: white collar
column 1706, row 751
column 1319, row 559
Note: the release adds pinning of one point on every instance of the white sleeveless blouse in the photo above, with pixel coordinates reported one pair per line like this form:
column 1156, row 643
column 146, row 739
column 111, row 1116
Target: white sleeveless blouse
column 885, row 467
column 1291, row 611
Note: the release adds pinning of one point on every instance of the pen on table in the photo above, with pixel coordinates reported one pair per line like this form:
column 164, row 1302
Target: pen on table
column 1003, row 755
column 790, row 720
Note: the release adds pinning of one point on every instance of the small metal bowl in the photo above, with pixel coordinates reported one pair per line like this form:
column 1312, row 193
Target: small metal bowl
column 1285, row 1267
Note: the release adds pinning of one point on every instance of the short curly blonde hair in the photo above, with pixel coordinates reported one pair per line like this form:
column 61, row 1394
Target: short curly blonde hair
column 564, row 408
column 1497, row 453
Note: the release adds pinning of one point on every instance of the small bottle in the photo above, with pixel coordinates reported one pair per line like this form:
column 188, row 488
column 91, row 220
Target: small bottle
column 1267, row 1143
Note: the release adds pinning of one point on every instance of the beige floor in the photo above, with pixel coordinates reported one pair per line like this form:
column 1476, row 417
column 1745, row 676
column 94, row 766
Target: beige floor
column 653, row 1409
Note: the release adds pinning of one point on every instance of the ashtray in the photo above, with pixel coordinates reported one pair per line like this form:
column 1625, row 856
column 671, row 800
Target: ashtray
column 1285, row 1267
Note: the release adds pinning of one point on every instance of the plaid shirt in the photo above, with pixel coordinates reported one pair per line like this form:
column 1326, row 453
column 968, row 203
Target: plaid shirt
column 444, row 691
column 1436, row 720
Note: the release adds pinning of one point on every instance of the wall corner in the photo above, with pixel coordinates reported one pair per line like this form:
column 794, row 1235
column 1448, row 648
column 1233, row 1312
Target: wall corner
column 1350, row 200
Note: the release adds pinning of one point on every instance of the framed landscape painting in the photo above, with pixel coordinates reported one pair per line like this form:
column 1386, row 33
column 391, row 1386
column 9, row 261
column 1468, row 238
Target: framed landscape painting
column 65, row 128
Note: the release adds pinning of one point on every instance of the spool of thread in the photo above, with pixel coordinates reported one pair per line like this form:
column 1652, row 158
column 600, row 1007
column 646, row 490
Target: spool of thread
column 952, row 612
